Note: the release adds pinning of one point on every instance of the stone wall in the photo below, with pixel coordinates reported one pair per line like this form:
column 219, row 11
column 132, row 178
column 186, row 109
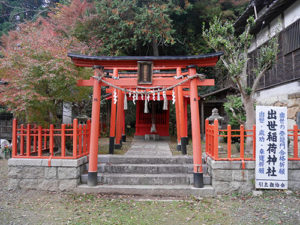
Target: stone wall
column 228, row 176
column 62, row 175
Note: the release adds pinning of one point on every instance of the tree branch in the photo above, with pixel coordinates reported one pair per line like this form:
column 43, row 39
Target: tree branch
column 240, row 87
column 225, row 63
column 244, row 73
column 260, row 75
column 236, row 116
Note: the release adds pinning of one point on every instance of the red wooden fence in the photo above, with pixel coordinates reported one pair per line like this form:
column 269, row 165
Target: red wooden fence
column 212, row 134
column 71, row 141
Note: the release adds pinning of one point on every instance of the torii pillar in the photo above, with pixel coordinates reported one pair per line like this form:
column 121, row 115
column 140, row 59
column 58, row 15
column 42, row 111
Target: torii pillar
column 182, row 121
column 112, row 131
column 93, row 158
column 195, row 119
column 120, row 116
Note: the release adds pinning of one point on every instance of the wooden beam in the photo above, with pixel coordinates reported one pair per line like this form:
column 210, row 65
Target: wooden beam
column 157, row 64
column 132, row 82
column 168, row 93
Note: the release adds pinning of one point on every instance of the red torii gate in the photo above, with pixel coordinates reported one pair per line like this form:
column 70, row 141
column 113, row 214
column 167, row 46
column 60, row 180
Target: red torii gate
column 163, row 81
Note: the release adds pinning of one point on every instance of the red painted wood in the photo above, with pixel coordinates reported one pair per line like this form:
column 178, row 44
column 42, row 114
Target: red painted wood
column 177, row 117
column 195, row 121
column 157, row 64
column 93, row 159
column 14, row 138
column 168, row 93
column 40, row 141
column 120, row 109
column 132, row 82
column 186, row 102
column 112, row 131
column 51, row 139
column 63, row 140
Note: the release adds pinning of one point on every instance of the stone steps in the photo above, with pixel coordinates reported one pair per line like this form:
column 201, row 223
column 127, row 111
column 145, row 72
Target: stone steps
column 146, row 179
column 124, row 159
column 154, row 175
column 149, row 190
column 147, row 168
column 144, row 168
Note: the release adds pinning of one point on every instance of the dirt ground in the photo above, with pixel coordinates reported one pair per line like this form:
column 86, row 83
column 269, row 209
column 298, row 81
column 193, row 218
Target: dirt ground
column 38, row 207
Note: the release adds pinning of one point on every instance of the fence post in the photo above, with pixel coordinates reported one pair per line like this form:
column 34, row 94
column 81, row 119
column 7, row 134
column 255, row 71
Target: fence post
column 28, row 142
column 22, row 140
column 75, row 125
column 254, row 142
column 84, row 136
column 14, row 138
column 40, row 141
column 206, row 137
column 45, row 138
column 216, row 139
column 229, row 141
column 34, row 138
column 242, row 138
column 63, row 140
column 295, row 132
column 89, row 135
column 80, row 139
column 51, row 141
column 211, row 139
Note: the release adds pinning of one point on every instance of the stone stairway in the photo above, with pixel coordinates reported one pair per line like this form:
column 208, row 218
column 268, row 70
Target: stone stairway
column 148, row 168
column 146, row 175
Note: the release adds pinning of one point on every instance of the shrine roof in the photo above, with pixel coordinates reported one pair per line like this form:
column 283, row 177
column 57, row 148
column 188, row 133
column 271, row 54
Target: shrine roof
column 158, row 61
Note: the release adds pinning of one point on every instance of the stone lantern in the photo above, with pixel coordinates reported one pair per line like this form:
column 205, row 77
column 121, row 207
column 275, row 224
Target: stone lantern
column 216, row 116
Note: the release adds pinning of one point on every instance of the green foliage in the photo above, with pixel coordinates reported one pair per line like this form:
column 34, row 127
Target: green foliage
column 14, row 12
column 121, row 27
column 221, row 36
column 235, row 110
column 40, row 76
column 267, row 55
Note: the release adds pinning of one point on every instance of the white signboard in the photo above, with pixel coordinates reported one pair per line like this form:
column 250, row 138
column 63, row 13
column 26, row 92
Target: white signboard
column 271, row 171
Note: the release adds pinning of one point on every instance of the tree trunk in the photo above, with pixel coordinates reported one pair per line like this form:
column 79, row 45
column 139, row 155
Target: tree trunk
column 155, row 47
column 248, row 103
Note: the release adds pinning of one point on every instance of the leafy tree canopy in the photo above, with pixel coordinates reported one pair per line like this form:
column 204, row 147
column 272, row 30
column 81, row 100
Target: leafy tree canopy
column 221, row 36
column 122, row 27
column 14, row 12
column 36, row 66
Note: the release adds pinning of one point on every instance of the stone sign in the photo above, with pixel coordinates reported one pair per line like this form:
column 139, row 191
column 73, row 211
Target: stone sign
column 271, row 170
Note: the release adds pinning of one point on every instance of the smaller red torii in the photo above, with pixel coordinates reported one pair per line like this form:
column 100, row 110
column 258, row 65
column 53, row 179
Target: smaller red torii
column 162, row 80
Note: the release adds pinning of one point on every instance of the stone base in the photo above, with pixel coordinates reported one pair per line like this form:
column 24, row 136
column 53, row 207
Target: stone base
column 154, row 137
column 228, row 176
column 62, row 175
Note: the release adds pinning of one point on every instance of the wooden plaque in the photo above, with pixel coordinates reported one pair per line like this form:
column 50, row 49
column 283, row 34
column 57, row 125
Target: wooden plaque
column 145, row 72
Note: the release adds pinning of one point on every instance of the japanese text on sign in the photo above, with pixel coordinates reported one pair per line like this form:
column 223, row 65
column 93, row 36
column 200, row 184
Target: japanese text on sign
column 271, row 148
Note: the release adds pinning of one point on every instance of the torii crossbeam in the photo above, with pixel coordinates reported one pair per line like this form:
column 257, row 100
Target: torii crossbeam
column 166, row 75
